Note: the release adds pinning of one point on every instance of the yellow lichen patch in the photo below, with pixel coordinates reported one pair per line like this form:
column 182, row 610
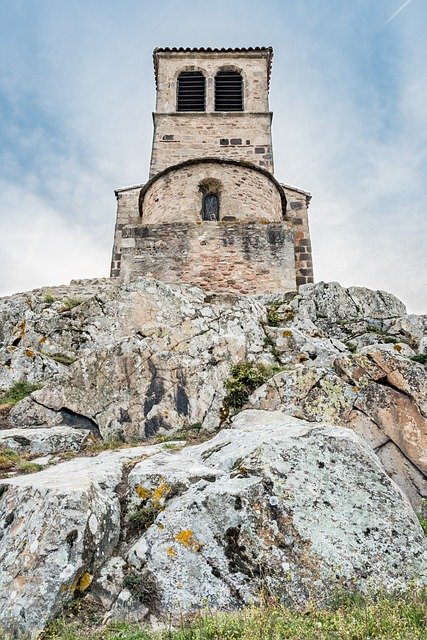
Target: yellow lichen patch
column 170, row 551
column 287, row 333
column 161, row 492
column 397, row 347
column 187, row 539
column 355, row 389
column 29, row 353
column 184, row 537
column 142, row 492
column 84, row 582
column 42, row 340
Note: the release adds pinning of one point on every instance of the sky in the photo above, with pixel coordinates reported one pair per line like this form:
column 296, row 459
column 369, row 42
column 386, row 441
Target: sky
column 348, row 92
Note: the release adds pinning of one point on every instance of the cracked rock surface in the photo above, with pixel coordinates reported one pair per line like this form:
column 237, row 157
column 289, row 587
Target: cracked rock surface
column 128, row 362
column 273, row 504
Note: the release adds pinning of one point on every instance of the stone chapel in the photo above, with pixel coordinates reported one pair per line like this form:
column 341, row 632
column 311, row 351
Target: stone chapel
column 212, row 212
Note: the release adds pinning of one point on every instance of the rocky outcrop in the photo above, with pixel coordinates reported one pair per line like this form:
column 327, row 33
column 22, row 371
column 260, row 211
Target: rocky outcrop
column 378, row 393
column 319, row 401
column 44, row 441
column 128, row 362
column 274, row 503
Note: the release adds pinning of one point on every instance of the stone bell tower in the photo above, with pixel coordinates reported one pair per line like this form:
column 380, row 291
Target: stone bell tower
column 212, row 213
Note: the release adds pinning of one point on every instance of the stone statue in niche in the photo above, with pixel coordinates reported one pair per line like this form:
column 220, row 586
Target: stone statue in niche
column 210, row 209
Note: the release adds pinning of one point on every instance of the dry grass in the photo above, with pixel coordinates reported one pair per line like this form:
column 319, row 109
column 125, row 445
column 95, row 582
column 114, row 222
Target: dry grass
column 380, row 617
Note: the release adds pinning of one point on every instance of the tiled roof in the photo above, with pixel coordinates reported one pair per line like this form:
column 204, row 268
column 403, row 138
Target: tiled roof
column 268, row 50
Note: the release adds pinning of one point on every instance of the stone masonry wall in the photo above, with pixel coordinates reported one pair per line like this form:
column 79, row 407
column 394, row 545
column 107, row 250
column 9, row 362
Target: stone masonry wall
column 223, row 257
column 243, row 192
column 242, row 135
column 237, row 136
column 253, row 66
column 297, row 213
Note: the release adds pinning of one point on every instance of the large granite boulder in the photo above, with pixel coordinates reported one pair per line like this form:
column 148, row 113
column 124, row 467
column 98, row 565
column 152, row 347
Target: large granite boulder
column 273, row 504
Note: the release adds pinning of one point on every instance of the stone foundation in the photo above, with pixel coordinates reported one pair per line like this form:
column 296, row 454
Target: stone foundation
column 217, row 256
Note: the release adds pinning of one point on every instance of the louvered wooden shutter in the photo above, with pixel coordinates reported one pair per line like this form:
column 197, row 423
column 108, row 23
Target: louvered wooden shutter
column 191, row 91
column 228, row 91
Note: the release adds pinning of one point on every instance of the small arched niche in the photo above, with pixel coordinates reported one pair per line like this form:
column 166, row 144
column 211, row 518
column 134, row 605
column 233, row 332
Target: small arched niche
column 210, row 190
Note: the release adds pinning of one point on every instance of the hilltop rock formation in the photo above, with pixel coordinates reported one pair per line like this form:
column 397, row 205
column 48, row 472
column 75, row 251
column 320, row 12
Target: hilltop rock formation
column 128, row 362
column 319, row 410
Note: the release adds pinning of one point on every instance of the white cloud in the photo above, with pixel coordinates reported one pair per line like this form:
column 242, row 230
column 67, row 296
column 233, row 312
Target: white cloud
column 39, row 248
column 352, row 134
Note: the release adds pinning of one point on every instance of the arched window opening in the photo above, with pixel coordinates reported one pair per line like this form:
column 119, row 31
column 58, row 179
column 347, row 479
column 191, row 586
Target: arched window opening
column 228, row 91
column 210, row 207
column 191, row 91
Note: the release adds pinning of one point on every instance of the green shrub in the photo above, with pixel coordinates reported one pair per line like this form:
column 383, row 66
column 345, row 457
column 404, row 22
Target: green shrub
column 17, row 392
column 244, row 378
column 376, row 330
column 420, row 357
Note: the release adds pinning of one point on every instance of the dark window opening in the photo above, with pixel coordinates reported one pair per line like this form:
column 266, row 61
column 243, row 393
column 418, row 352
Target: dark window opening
column 191, row 91
column 210, row 208
column 228, row 91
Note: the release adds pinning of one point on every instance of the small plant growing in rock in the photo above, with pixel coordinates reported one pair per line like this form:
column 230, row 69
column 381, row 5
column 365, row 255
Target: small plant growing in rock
column 390, row 340
column 152, row 503
column 273, row 319
column 420, row 357
column 70, row 303
column 351, row 347
column 377, row 330
column 423, row 523
column 133, row 581
column 143, row 516
column 143, row 587
column 62, row 358
column 48, row 298
column 243, row 380
column 17, row 392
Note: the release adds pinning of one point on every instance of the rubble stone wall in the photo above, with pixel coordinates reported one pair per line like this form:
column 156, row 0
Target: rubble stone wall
column 297, row 214
column 237, row 136
column 243, row 192
column 217, row 256
column 128, row 214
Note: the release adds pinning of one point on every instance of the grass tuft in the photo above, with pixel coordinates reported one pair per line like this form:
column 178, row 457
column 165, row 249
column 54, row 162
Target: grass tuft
column 70, row 303
column 48, row 298
column 17, row 392
column 14, row 462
